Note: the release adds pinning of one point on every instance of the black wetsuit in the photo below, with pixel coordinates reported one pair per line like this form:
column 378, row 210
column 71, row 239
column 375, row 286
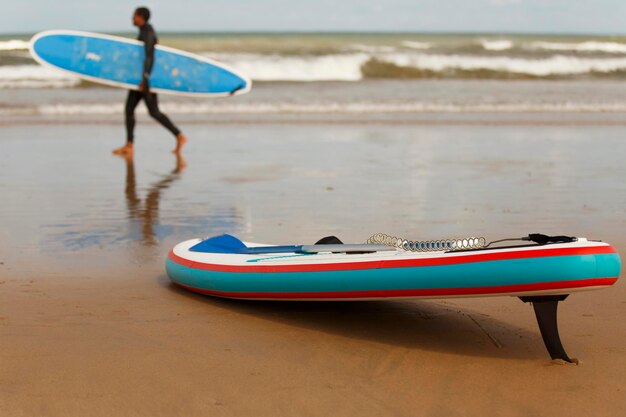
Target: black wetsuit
column 148, row 36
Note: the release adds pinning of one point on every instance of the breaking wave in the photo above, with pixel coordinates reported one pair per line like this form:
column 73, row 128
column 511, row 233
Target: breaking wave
column 357, row 66
column 335, row 67
column 14, row 45
column 34, row 76
column 496, row 45
column 558, row 65
column 416, row 45
column 588, row 46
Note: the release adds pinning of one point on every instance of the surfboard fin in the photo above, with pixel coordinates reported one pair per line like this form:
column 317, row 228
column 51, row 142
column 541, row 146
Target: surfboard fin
column 239, row 87
column 545, row 307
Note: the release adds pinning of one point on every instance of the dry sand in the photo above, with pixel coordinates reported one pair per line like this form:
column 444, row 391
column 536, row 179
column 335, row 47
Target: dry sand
column 91, row 326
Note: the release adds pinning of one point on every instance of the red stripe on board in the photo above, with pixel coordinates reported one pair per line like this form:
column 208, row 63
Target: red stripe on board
column 402, row 263
column 436, row 292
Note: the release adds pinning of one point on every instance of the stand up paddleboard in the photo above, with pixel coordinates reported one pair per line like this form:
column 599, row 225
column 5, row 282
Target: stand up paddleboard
column 118, row 62
column 542, row 270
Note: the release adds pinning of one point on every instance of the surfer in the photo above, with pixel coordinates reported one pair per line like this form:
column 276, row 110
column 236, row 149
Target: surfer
column 148, row 36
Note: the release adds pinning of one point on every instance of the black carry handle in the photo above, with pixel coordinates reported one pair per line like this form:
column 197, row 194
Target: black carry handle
column 543, row 239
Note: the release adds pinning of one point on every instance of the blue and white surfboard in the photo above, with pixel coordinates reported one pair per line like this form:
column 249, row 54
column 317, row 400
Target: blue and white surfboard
column 118, row 62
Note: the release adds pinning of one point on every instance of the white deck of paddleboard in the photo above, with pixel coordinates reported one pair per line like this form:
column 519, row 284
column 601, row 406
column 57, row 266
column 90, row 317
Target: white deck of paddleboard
column 183, row 250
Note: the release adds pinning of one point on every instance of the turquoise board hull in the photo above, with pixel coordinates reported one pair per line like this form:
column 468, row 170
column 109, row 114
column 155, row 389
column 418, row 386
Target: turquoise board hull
column 477, row 278
column 118, row 62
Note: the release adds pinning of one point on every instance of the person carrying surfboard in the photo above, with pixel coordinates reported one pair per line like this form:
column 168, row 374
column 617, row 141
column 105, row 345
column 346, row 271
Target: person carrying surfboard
column 149, row 38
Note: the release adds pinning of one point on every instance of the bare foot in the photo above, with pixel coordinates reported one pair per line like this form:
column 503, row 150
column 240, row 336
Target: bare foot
column 126, row 150
column 180, row 142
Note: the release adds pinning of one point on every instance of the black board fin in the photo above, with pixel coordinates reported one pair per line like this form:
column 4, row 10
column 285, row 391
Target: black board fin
column 545, row 307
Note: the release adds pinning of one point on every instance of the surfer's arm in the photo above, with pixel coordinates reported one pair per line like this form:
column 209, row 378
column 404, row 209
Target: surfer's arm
column 149, row 43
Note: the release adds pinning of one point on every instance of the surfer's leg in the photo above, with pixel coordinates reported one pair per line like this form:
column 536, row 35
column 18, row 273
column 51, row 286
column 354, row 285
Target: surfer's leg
column 133, row 99
column 131, row 103
column 153, row 108
column 152, row 102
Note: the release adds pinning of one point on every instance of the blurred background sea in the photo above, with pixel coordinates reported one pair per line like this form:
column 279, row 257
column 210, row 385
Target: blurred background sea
column 323, row 76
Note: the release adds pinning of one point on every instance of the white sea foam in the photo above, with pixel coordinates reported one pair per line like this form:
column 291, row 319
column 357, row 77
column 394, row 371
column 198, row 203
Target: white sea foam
column 13, row 45
column 416, row 45
column 588, row 46
column 357, row 107
column 555, row 65
column 336, row 67
column 35, row 84
column 372, row 49
column 34, row 76
column 496, row 45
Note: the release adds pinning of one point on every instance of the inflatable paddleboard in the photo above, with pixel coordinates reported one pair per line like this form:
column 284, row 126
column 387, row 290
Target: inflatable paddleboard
column 227, row 267
column 543, row 274
column 118, row 62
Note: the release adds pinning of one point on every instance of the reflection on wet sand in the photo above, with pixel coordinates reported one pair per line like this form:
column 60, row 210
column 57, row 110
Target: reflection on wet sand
column 146, row 215
column 139, row 218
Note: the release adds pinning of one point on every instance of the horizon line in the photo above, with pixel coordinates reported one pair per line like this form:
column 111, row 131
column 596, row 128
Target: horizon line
column 337, row 32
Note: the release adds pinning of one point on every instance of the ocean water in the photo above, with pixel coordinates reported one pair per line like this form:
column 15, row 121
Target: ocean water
column 330, row 76
column 355, row 57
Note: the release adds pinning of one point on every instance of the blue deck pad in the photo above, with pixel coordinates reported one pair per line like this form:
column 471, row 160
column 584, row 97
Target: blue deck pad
column 220, row 244
column 230, row 244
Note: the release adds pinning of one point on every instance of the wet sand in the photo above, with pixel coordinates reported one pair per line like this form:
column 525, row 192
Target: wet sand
column 90, row 325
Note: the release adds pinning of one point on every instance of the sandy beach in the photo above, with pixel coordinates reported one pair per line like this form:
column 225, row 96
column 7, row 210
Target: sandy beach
column 97, row 345
column 90, row 324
